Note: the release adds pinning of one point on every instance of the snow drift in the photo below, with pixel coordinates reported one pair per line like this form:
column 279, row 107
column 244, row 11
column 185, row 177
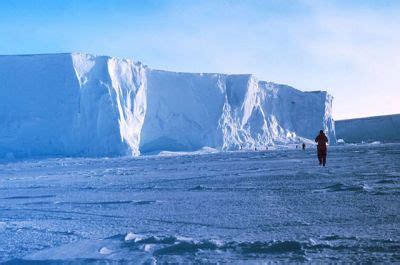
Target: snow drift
column 85, row 105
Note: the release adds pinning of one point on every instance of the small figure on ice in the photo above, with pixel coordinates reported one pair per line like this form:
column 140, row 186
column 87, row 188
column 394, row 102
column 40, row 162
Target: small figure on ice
column 322, row 140
column 303, row 146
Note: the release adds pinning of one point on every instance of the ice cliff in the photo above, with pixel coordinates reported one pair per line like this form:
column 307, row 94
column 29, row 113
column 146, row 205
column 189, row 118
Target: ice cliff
column 379, row 128
column 85, row 105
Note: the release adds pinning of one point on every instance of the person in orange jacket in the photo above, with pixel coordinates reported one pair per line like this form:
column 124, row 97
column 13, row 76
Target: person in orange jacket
column 322, row 149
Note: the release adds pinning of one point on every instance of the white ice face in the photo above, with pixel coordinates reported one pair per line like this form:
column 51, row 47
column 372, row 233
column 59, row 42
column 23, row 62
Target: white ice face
column 86, row 105
column 379, row 128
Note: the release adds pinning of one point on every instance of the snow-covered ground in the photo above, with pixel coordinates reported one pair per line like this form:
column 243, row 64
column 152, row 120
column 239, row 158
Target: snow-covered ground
column 216, row 207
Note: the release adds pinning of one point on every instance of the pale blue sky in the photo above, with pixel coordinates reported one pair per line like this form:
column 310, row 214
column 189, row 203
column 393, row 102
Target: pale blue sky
column 349, row 48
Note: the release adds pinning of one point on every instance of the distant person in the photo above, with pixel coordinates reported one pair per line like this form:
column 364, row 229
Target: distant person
column 303, row 146
column 322, row 140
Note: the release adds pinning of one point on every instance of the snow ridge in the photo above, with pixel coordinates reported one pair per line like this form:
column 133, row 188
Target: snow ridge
column 85, row 105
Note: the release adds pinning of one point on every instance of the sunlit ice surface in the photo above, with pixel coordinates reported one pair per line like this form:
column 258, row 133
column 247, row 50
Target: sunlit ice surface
column 249, row 207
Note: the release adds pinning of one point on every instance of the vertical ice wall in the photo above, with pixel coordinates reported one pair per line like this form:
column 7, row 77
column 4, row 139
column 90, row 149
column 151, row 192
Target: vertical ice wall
column 113, row 102
column 96, row 127
column 379, row 128
column 70, row 104
column 129, row 83
column 295, row 113
column 228, row 112
column 39, row 97
column 85, row 105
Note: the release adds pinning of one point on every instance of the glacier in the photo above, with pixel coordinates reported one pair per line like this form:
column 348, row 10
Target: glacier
column 385, row 129
column 77, row 104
